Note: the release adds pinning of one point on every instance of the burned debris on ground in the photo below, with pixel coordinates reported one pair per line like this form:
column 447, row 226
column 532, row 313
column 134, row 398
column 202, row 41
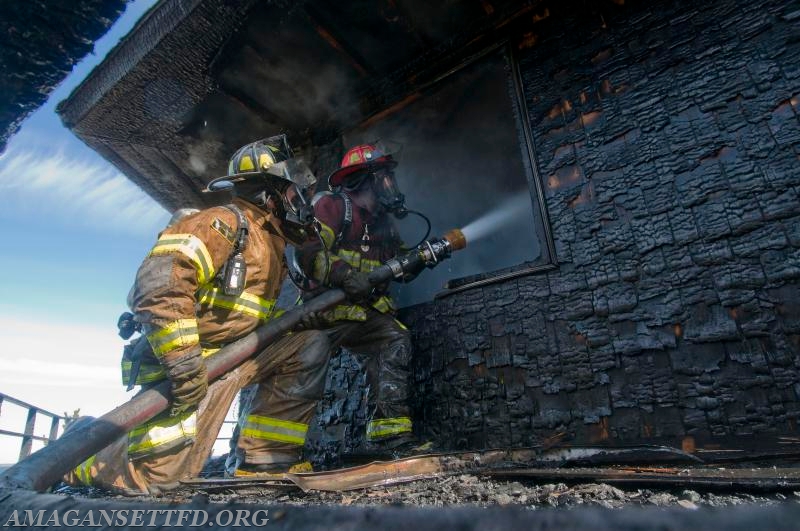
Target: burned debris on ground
column 470, row 490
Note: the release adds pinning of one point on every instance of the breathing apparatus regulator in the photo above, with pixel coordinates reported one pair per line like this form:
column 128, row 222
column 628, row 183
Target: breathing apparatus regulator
column 266, row 174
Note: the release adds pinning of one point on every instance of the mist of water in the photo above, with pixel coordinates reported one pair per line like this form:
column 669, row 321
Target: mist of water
column 505, row 213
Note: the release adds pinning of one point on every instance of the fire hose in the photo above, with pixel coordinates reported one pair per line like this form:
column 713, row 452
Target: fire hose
column 43, row 468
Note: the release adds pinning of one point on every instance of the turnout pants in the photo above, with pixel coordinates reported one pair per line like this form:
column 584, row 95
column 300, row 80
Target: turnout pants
column 291, row 378
column 383, row 345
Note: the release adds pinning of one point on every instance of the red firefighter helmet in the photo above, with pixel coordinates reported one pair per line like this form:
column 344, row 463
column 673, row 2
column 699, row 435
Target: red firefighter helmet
column 363, row 157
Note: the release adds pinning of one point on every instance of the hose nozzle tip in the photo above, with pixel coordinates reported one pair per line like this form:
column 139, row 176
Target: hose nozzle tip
column 456, row 239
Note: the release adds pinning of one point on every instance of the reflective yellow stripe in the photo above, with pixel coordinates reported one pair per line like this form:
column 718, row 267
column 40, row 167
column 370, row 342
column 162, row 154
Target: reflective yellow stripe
column 347, row 313
column 210, row 351
column 323, row 263
column 384, row 304
column 84, row 471
column 149, row 436
column 180, row 333
column 355, row 312
column 328, row 236
column 152, row 373
column 247, row 303
column 273, row 429
column 192, row 247
column 351, row 257
column 388, row 427
column 147, row 373
column 368, row 265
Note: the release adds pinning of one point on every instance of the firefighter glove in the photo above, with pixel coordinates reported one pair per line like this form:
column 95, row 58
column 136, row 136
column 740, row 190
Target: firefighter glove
column 313, row 321
column 189, row 379
column 356, row 286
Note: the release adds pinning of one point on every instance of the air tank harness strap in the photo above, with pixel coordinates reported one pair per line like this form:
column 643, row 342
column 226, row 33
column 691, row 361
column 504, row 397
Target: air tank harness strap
column 233, row 274
column 347, row 220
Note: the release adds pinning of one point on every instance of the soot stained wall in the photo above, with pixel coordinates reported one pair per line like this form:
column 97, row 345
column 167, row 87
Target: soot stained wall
column 669, row 143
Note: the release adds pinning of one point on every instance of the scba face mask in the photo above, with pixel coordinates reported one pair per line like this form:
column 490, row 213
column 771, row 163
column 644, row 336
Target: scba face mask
column 297, row 219
column 388, row 192
column 298, row 223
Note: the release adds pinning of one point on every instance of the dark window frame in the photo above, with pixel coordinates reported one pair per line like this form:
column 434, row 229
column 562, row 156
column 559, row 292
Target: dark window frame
column 532, row 173
column 521, row 122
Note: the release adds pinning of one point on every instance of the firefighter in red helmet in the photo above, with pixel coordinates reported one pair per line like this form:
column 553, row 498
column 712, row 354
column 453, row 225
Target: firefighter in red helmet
column 357, row 236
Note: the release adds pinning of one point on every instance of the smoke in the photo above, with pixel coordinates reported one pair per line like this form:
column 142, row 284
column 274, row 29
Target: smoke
column 506, row 213
column 461, row 158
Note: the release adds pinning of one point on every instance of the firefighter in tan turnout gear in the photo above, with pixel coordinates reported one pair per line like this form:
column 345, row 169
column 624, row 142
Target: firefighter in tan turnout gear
column 357, row 236
column 211, row 278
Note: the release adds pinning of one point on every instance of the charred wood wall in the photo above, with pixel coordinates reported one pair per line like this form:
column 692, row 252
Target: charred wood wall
column 40, row 41
column 669, row 144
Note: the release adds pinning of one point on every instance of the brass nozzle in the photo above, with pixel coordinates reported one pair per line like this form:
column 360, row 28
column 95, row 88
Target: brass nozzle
column 456, row 239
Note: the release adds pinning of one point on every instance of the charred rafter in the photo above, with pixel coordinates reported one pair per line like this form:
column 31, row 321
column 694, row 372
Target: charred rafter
column 325, row 30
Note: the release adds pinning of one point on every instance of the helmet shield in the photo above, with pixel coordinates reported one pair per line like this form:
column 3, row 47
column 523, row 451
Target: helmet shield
column 293, row 170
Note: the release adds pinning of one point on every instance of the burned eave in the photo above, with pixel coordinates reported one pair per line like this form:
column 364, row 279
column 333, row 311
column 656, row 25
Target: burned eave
column 40, row 42
column 168, row 107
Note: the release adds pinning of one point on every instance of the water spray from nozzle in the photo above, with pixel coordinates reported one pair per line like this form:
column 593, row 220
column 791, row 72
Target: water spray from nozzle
column 504, row 214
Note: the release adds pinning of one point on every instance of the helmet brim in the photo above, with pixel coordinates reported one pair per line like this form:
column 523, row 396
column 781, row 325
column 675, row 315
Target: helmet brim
column 281, row 174
column 338, row 177
column 226, row 182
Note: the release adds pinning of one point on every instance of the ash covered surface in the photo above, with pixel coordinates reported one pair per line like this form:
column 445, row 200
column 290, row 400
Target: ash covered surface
column 475, row 491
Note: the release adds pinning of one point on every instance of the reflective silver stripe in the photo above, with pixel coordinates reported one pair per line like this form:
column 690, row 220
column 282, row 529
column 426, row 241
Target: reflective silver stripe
column 272, row 429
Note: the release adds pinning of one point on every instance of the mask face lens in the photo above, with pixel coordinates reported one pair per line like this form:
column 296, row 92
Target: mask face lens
column 387, row 187
column 294, row 199
column 297, row 206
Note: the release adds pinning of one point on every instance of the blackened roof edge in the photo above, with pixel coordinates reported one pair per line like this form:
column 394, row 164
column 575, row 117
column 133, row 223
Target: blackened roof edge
column 154, row 25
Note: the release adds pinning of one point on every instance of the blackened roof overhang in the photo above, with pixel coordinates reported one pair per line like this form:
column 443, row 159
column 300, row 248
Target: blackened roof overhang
column 40, row 41
column 198, row 78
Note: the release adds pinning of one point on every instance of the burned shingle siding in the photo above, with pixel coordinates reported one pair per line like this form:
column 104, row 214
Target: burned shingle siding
column 668, row 139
